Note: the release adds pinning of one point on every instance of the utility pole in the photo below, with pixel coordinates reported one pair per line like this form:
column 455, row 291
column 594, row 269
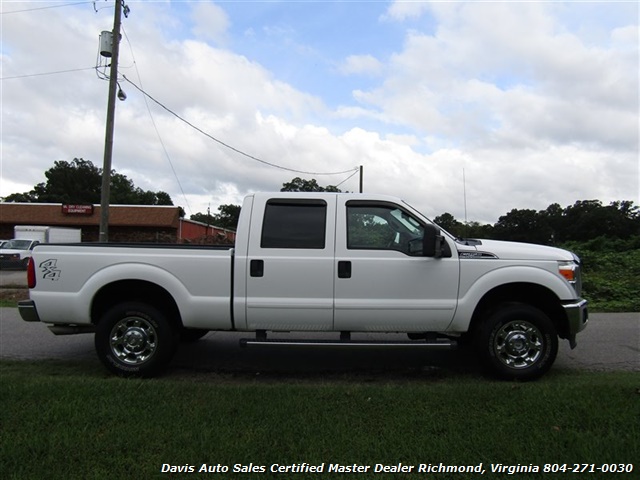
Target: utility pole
column 108, row 140
column 361, row 177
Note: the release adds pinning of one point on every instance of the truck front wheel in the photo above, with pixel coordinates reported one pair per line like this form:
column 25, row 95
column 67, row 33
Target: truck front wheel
column 517, row 342
column 135, row 339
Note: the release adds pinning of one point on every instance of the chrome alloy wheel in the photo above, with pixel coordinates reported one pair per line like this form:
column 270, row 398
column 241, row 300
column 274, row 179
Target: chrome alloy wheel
column 133, row 340
column 518, row 344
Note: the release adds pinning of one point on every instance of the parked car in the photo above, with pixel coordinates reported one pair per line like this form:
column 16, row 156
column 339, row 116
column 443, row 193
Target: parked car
column 16, row 253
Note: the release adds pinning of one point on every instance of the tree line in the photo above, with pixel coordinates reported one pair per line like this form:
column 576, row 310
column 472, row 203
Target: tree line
column 80, row 182
column 227, row 216
column 583, row 221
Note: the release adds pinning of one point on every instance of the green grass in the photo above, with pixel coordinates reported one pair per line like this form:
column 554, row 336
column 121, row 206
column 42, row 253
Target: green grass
column 70, row 421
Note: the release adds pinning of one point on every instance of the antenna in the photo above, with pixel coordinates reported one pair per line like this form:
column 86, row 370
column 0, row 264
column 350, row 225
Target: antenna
column 464, row 194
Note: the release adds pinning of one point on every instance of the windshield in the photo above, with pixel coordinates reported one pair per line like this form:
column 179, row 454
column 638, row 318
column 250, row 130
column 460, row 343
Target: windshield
column 442, row 230
column 17, row 244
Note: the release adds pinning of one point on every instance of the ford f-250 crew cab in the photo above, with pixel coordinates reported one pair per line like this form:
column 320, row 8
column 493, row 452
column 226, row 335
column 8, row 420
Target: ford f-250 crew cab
column 319, row 262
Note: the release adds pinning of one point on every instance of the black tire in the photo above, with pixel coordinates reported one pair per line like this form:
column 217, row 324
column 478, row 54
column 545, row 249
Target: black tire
column 134, row 339
column 190, row 335
column 517, row 342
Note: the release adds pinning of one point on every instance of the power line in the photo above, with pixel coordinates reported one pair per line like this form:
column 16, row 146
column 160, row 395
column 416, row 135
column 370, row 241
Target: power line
column 153, row 122
column 45, row 8
column 47, row 73
column 354, row 173
column 229, row 146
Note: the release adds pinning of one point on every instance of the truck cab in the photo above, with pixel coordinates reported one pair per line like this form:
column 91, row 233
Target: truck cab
column 340, row 263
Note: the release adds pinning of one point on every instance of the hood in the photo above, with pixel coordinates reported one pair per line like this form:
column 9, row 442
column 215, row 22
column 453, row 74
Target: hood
column 516, row 251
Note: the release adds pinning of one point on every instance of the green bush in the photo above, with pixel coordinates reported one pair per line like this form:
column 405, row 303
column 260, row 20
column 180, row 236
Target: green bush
column 611, row 269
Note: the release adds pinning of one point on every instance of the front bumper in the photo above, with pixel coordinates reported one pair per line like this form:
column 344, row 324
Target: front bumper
column 27, row 310
column 578, row 317
column 12, row 264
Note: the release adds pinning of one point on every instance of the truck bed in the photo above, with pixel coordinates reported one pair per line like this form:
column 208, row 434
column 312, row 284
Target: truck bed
column 198, row 277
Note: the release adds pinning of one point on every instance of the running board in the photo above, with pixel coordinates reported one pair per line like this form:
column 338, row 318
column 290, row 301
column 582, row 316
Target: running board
column 442, row 344
column 71, row 329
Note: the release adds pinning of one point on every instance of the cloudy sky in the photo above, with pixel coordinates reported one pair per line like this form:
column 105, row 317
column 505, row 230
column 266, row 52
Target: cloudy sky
column 532, row 103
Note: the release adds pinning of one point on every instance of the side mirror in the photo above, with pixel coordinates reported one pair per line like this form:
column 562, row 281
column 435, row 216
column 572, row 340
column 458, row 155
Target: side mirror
column 432, row 242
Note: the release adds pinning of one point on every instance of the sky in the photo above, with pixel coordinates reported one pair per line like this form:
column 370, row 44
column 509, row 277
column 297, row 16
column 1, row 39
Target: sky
column 471, row 108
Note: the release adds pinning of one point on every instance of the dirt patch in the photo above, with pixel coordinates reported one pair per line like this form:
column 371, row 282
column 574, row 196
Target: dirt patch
column 14, row 294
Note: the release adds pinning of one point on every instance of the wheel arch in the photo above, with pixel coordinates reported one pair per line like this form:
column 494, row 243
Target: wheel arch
column 135, row 290
column 531, row 294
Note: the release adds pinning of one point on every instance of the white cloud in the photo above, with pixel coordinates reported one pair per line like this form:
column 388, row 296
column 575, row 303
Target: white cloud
column 210, row 22
column 402, row 10
column 512, row 93
column 361, row 65
column 505, row 66
column 626, row 38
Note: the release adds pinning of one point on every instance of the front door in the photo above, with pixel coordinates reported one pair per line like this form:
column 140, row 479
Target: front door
column 381, row 282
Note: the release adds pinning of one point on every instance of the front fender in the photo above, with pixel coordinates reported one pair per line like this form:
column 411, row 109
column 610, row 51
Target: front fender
column 473, row 291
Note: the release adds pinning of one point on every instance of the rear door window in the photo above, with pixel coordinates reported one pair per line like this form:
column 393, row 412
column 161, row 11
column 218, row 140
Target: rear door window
column 294, row 224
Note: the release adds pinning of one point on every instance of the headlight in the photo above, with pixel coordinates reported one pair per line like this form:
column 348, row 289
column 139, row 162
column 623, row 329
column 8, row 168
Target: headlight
column 568, row 270
column 571, row 272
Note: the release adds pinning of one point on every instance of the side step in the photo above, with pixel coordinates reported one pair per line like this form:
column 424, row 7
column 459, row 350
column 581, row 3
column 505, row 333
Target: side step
column 71, row 329
column 261, row 339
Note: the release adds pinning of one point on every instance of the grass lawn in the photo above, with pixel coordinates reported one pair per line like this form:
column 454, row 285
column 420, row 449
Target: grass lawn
column 59, row 420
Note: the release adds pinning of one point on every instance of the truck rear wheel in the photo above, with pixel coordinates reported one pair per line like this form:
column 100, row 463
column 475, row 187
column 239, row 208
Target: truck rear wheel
column 135, row 339
column 517, row 342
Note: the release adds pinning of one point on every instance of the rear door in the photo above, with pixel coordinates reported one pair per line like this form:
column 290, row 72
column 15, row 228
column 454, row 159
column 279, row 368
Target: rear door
column 290, row 264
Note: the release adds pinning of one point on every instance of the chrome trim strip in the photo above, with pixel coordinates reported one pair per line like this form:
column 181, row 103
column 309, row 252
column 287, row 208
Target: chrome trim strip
column 444, row 344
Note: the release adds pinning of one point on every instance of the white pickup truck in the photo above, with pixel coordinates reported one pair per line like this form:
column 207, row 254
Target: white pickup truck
column 322, row 262
column 16, row 253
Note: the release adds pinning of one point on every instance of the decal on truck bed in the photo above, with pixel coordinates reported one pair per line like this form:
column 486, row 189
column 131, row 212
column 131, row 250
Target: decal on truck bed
column 49, row 270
